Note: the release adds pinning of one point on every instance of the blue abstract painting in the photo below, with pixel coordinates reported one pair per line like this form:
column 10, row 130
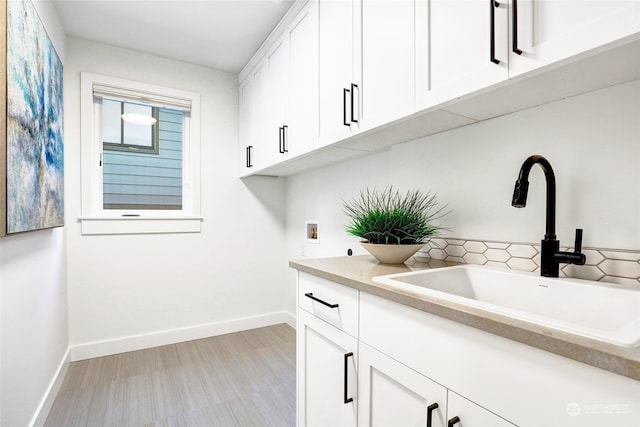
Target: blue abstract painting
column 35, row 155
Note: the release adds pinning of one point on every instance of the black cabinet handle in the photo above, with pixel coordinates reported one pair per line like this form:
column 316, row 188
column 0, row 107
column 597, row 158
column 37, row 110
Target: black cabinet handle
column 353, row 87
column 430, row 410
column 310, row 295
column 453, row 421
column 248, row 156
column 284, row 139
column 346, row 378
column 514, row 29
column 345, row 91
column 492, row 5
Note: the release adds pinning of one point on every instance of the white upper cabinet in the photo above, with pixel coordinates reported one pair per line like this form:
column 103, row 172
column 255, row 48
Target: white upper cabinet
column 546, row 31
column 468, row 45
column 260, row 152
column 340, row 64
column 302, row 128
column 366, row 65
column 246, row 146
column 254, row 123
column 263, row 103
column 277, row 111
column 461, row 46
column 286, row 92
column 338, row 68
column 388, row 72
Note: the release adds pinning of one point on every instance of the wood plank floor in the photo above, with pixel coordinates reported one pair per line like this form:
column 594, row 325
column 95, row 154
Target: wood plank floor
column 241, row 379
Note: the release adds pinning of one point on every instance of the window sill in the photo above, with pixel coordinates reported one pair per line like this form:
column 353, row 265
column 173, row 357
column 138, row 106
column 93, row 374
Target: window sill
column 94, row 226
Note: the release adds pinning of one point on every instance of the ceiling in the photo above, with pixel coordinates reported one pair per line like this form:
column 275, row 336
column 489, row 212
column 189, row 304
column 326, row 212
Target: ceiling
column 220, row 34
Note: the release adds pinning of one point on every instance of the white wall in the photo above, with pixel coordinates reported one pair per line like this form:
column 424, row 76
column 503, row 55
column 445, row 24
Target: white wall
column 33, row 295
column 592, row 141
column 233, row 269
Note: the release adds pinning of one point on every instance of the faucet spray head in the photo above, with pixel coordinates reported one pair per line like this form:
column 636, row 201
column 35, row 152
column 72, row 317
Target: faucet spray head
column 520, row 192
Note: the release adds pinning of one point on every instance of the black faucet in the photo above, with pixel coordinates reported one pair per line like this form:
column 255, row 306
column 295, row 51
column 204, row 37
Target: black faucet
column 551, row 256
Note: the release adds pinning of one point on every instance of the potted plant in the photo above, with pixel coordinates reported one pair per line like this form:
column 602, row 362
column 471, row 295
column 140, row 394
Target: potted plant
column 394, row 226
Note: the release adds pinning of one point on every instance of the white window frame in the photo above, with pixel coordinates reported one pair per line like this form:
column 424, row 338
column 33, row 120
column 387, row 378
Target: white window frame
column 94, row 218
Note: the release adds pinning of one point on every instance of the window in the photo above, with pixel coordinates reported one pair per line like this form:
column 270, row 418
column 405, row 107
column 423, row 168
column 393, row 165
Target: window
column 140, row 158
column 140, row 168
column 129, row 127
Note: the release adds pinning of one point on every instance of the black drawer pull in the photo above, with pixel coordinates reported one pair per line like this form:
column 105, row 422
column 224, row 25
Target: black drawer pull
column 284, row 139
column 249, row 159
column 346, row 378
column 345, row 93
column 430, row 410
column 453, row 421
column 353, row 92
column 514, row 27
column 310, row 295
column 492, row 27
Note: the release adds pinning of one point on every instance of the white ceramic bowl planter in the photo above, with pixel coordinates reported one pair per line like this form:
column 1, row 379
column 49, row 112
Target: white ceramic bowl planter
column 392, row 254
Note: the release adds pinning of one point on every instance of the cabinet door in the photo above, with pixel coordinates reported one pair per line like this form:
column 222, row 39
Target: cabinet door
column 391, row 394
column 388, row 71
column 278, row 103
column 260, row 120
column 339, row 50
column 471, row 415
column 327, row 374
column 454, row 44
column 246, row 146
column 302, row 127
column 547, row 31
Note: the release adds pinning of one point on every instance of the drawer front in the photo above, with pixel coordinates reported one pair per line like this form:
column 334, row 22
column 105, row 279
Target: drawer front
column 329, row 301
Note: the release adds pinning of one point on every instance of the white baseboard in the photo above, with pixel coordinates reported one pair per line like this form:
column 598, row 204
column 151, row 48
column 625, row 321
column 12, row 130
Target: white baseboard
column 291, row 319
column 172, row 336
column 46, row 403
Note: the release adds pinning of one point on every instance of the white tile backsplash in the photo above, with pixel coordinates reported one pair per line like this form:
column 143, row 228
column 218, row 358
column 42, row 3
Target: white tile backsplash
column 522, row 264
column 620, row 268
column 475, row 247
column 605, row 265
column 499, row 255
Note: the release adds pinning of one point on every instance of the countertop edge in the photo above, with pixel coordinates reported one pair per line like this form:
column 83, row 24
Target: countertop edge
column 619, row 360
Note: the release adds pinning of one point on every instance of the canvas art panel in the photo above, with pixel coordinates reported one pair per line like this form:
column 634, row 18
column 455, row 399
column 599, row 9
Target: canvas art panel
column 3, row 118
column 34, row 124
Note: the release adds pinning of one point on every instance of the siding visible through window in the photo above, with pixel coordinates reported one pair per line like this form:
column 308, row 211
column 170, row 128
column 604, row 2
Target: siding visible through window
column 135, row 180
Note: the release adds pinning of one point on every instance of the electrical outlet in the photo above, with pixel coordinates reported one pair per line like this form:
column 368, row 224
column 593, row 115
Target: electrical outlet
column 302, row 250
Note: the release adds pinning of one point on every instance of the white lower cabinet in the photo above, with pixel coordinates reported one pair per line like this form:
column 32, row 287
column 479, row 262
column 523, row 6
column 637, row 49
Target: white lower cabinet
column 393, row 395
column 497, row 378
column 327, row 378
column 462, row 412
column 367, row 361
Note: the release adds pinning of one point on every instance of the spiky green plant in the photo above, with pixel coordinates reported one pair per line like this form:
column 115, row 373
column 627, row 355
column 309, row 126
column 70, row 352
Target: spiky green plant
column 389, row 217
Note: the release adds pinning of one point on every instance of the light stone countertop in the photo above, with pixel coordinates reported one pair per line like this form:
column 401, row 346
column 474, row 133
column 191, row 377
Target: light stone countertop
column 357, row 272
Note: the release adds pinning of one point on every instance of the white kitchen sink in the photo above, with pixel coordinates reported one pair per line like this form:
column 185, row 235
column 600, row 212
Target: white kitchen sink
column 606, row 312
